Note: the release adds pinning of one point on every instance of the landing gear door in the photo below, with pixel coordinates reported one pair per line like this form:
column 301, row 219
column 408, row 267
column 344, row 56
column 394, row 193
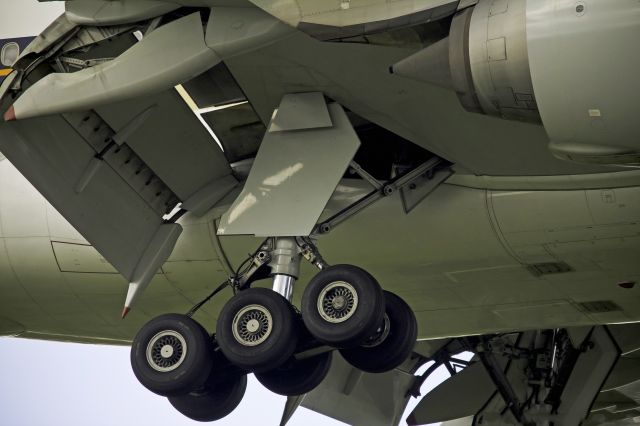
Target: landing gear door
column 589, row 374
column 304, row 154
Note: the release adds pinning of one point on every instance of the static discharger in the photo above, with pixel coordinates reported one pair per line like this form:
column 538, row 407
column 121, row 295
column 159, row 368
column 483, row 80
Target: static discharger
column 156, row 253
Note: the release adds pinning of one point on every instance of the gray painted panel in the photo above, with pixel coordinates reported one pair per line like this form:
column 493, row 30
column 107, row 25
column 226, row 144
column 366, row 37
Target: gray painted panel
column 168, row 56
column 80, row 258
column 301, row 111
column 585, row 67
column 353, row 15
column 357, row 398
column 422, row 113
column 97, row 12
column 292, row 179
column 171, row 141
column 108, row 213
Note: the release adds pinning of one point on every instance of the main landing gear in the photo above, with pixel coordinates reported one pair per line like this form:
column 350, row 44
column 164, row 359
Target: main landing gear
column 259, row 331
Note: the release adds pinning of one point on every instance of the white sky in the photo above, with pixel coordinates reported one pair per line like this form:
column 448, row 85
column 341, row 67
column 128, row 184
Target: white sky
column 24, row 18
column 53, row 383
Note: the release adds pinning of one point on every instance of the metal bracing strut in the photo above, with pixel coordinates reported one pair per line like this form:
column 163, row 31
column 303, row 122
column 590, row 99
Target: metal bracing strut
column 282, row 255
column 380, row 191
column 499, row 378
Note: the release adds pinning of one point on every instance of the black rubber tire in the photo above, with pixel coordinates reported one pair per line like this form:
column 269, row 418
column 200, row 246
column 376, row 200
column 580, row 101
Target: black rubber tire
column 297, row 377
column 194, row 369
column 280, row 343
column 214, row 401
column 395, row 348
column 364, row 321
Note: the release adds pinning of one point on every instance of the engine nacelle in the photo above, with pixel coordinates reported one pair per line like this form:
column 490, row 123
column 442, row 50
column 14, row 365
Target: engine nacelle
column 572, row 65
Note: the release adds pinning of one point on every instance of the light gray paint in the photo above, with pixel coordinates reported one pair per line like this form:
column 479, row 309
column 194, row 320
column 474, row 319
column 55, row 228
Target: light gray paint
column 96, row 12
column 233, row 31
column 108, row 211
column 498, row 60
column 292, row 178
column 342, row 14
column 170, row 55
column 171, row 142
column 357, row 398
column 585, row 75
column 301, row 111
column 429, row 116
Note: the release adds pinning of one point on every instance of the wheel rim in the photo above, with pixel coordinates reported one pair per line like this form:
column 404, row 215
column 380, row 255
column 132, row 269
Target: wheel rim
column 252, row 325
column 381, row 334
column 337, row 302
column 166, row 351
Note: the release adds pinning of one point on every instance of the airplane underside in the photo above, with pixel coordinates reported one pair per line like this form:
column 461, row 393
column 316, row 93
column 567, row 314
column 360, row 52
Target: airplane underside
column 228, row 167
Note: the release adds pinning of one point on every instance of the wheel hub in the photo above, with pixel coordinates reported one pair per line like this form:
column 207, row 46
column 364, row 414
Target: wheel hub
column 166, row 351
column 381, row 334
column 252, row 325
column 337, row 302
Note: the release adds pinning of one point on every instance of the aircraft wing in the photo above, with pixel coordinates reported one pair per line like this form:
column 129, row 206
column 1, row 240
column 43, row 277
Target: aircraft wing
column 116, row 171
column 94, row 122
column 343, row 19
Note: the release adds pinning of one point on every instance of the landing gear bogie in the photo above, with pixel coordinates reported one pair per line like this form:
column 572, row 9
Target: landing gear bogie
column 259, row 330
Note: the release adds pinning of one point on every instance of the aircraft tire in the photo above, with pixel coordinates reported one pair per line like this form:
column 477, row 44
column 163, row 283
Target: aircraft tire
column 213, row 401
column 395, row 347
column 297, row 377
column 257, row 330
column 342, row 306
column 186, row 361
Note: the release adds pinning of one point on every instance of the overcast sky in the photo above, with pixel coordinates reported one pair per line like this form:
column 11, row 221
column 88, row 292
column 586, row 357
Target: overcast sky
column 52, row 383
column 71, row 384
column 24, row 18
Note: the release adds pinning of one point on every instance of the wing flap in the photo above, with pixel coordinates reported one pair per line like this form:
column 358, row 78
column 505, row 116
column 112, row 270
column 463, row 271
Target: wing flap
column 109, row 212
column 171, row 141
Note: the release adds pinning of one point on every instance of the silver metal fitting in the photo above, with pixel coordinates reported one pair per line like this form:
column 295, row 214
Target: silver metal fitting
column 285, row 266
column 283, row 285
column 285, row 257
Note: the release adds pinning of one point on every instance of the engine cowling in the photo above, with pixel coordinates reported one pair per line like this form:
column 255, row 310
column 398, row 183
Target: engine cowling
column 573, row 66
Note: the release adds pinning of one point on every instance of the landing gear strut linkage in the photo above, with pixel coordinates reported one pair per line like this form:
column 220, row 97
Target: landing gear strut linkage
column 380, row 191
